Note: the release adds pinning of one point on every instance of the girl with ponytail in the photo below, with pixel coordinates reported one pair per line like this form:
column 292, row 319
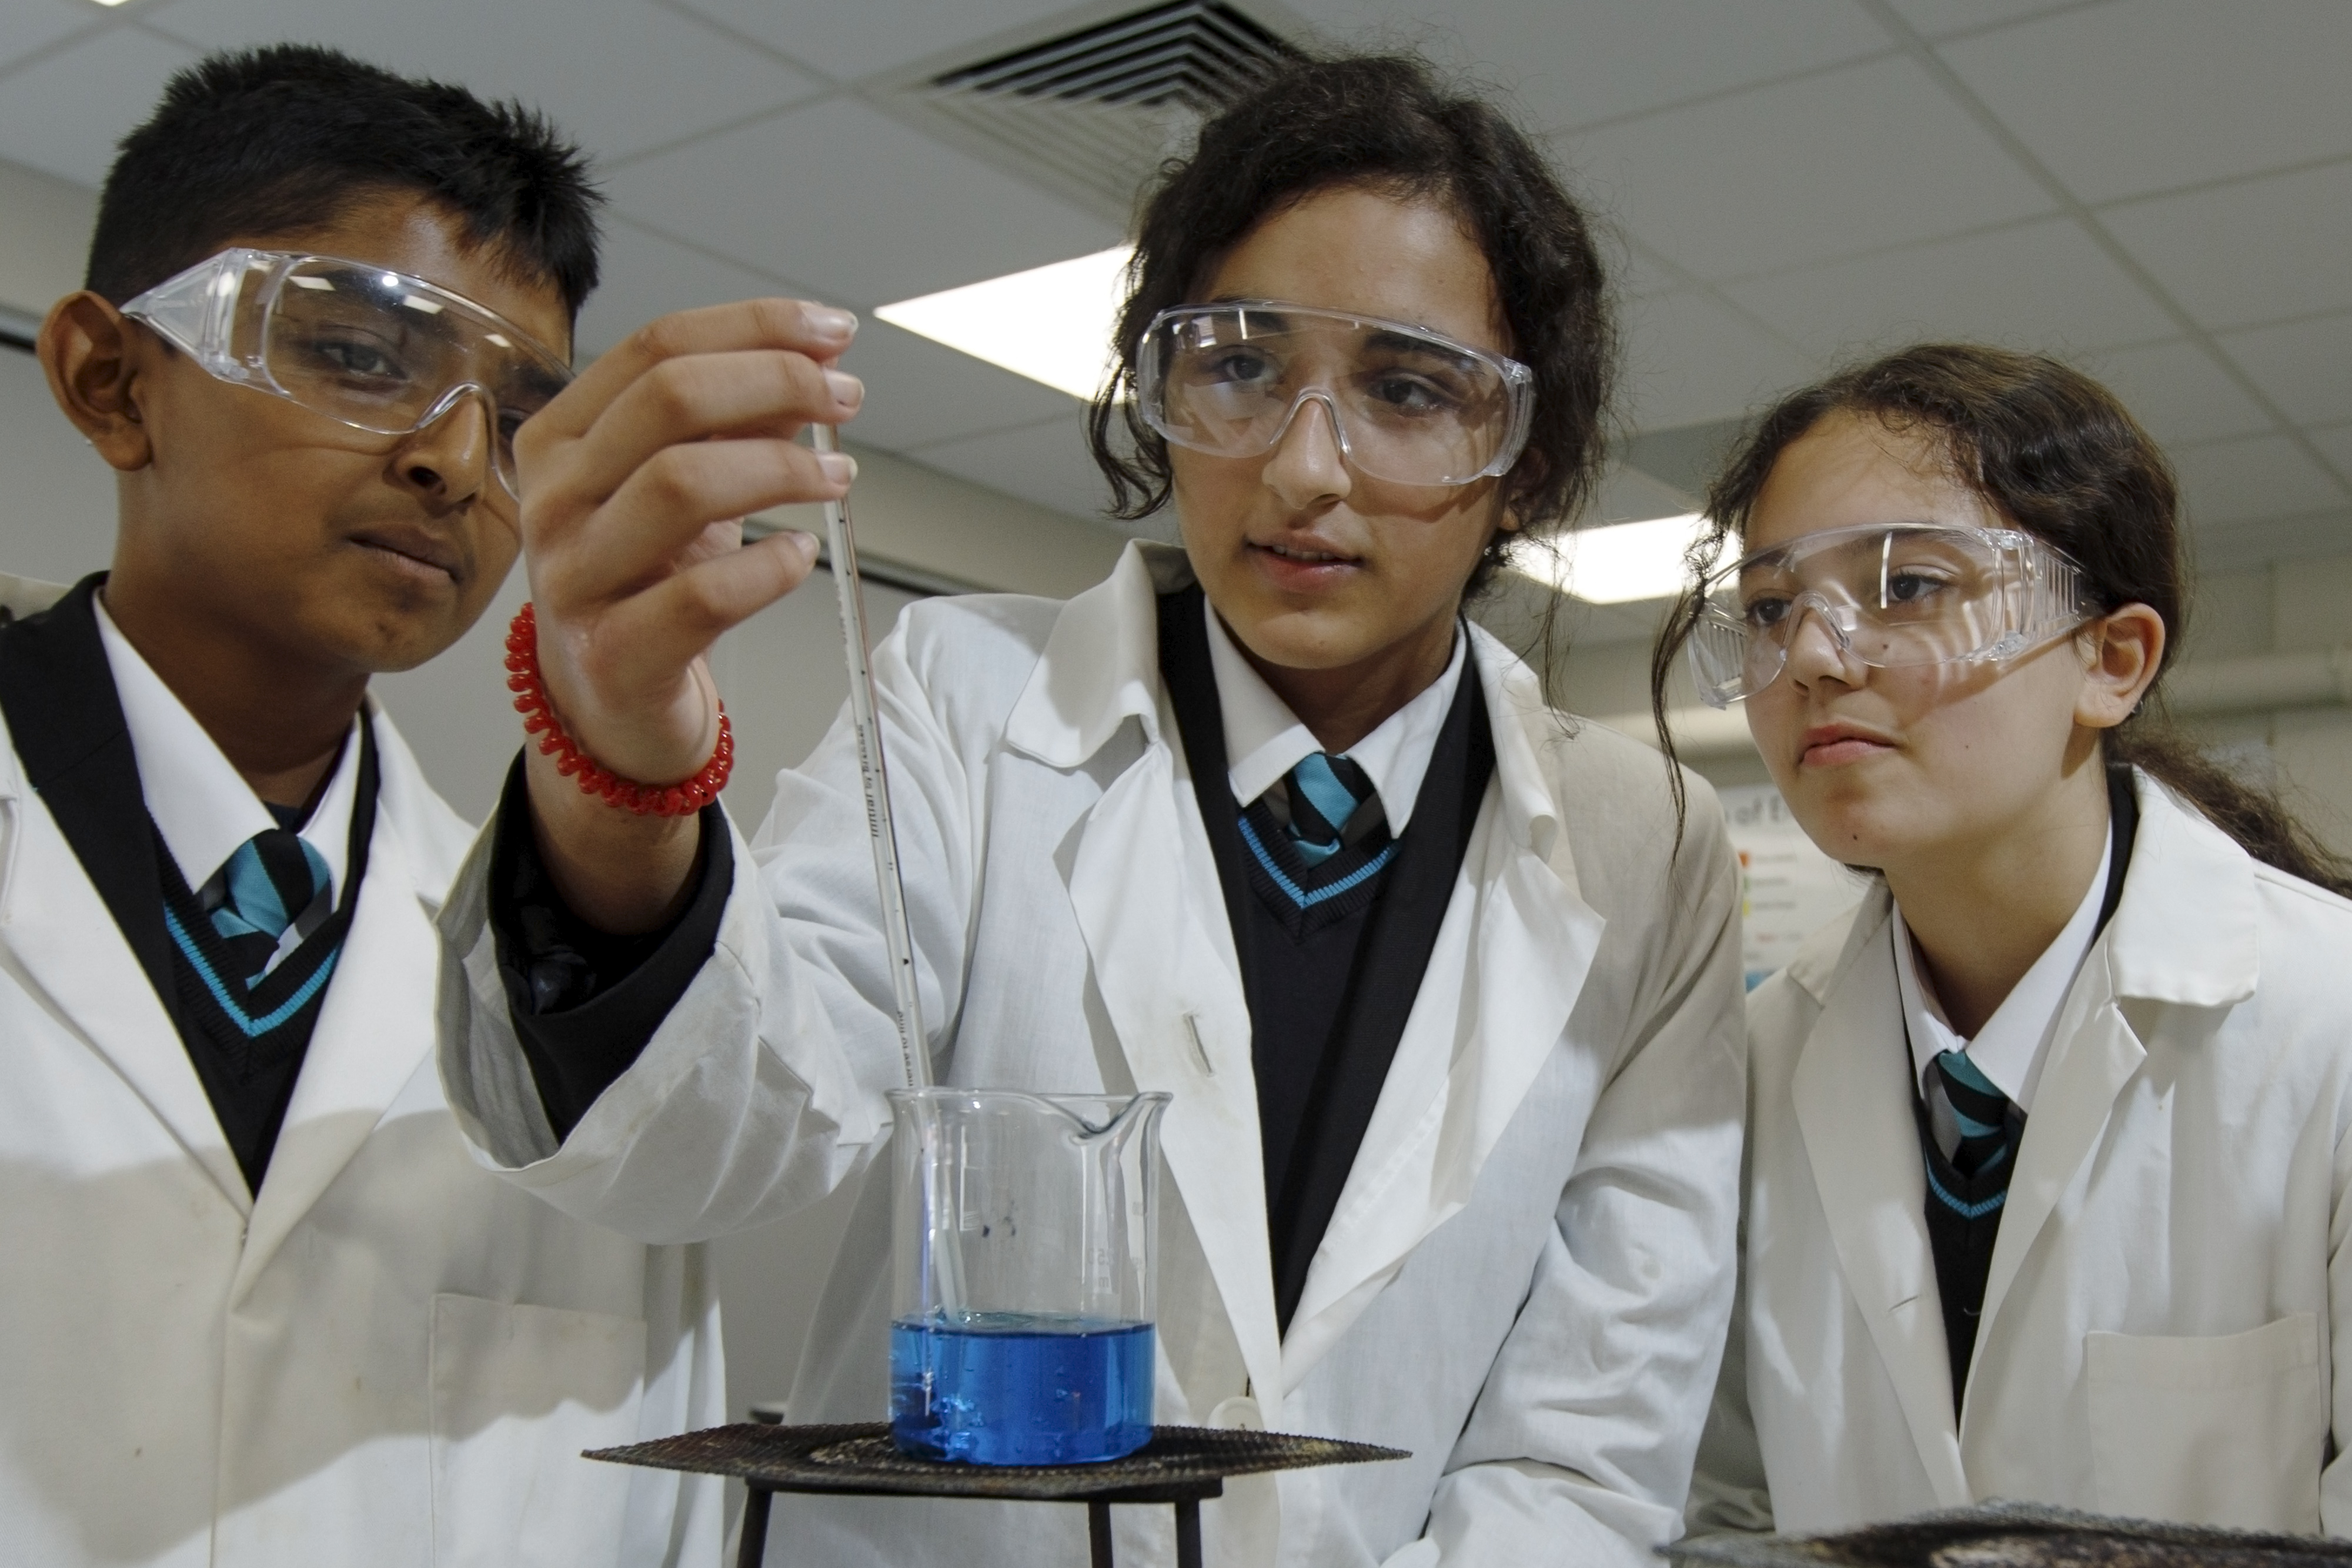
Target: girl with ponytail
column 2051, row 1141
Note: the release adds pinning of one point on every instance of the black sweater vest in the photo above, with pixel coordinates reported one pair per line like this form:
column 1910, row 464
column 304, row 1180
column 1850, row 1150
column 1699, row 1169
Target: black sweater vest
column 1327, row 998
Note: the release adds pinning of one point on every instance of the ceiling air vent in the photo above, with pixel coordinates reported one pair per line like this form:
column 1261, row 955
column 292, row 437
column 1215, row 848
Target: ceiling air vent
column 1090, row 114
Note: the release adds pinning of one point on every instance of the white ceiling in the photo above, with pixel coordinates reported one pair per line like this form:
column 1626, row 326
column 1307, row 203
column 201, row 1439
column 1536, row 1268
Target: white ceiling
column 2160, row 189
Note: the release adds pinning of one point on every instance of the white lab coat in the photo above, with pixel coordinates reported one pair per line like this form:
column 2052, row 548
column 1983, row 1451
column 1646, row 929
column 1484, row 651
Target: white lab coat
column 1527, row 1277
column 2170, row 1290
column 389, row 1358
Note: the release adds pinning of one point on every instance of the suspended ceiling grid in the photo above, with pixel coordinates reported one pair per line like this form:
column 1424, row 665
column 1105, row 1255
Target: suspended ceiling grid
column 2158, row 189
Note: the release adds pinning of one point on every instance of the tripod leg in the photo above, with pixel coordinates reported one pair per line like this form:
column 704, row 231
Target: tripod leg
column 1099, row 1535
column 1187, row 1534
column 753, row 1550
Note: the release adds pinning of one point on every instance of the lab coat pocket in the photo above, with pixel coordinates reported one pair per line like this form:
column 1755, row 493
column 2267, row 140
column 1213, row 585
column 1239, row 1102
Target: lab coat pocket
column 518, row 1392
column 2226, row 1429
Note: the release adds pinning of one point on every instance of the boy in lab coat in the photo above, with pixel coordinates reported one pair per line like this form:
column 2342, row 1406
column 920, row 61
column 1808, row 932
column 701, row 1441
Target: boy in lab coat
column 262, row 1306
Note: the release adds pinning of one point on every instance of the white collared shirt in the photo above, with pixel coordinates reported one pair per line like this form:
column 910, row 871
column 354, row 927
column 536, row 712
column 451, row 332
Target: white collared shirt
column 1264, row 740
column 2011, row 1047
column 201, row 803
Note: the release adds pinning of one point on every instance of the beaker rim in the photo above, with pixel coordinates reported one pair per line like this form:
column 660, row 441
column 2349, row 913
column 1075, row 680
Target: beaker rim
column 1093, row 1112
column 938, row 1092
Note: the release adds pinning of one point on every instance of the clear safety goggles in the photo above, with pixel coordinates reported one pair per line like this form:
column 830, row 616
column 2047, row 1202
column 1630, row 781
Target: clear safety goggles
column 376, row 351
column 1407, row 404
column 1889, row 595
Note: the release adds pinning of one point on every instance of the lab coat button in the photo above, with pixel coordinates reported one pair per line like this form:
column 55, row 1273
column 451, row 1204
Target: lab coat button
column 1239, row 1413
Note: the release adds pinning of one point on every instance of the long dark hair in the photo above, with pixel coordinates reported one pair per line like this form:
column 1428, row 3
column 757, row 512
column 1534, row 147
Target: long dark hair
column 1385, row 122
column 2054, row 451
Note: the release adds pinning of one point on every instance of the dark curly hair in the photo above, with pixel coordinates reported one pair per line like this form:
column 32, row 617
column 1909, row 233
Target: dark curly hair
column 1383, row 121
column 2057, row 454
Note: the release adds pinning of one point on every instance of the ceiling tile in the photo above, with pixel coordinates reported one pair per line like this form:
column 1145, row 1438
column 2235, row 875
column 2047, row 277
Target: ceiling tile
column 2152, row 95
column 2337, row 444
column 2260, row 476
column 2251, row 251
column 648, row 275
column 1690, row 358
column 1637, row 269
column 64, row 115
column 1047, row 464
column 919, row 393
column 846, row 42
column 29, row 25
column 1566, row 64
column 1848, row 160
column 855, row 203
column 2305, row 366
column 2039, row 285
column 1941, row 18
column 2177, row 392
column 620, row 75
column 2287, row 539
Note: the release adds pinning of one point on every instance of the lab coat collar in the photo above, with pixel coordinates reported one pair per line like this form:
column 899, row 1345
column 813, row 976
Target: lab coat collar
column 1853, row 1097
column 1101, row 667
column 2186, row 932
column 1101, row 663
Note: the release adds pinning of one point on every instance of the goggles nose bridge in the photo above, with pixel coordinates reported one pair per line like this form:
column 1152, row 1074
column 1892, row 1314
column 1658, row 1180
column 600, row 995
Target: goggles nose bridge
column 1330, row 410
column 1837, row 621
column 456, row 398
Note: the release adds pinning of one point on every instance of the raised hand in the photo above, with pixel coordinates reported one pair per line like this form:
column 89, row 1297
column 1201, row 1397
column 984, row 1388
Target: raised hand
column 634, row 482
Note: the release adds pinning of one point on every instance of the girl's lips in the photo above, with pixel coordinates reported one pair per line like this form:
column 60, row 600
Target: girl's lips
column 1302, row 570
column 1836, row 753
column 1834, row 745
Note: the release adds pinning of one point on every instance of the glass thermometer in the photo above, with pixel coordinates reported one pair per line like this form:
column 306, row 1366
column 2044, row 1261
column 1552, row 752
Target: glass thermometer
column 842, row 554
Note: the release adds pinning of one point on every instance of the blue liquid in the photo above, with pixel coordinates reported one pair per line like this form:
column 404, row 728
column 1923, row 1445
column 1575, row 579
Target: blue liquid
column 1020, row 1388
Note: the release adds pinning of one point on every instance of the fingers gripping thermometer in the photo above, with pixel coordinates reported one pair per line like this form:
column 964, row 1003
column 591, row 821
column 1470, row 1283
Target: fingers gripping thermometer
column 841, row 552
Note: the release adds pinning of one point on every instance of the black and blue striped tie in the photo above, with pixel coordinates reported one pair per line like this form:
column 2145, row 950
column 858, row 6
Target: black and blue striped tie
column 1968, row 1117
column 275, row 880
column 1327, row 796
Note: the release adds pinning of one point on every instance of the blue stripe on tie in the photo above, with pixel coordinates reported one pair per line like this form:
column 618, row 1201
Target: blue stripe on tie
column 1321, row 786
column 1957, row 1064
column 1299, row 895
column 253, row 1028
column 1969, row 1125
column 1965, row 1211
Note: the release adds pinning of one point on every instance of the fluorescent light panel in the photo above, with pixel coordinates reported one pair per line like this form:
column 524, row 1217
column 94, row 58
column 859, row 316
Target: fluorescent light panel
column 1052, row 324
column 1621, row 563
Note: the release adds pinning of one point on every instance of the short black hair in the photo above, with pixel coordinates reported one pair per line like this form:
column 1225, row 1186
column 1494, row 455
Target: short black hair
column 289, row 137
column 1387, row 123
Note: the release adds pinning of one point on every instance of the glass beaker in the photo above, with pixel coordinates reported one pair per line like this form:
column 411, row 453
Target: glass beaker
column 1024, row 1239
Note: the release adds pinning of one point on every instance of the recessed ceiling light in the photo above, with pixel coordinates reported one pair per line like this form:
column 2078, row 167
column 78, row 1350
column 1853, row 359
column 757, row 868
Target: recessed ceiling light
column 1621, row 562
column 110, row 5
column 1052, row 324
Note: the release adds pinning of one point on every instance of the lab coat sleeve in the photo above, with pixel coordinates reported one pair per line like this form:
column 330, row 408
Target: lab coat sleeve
column 764, row 1087
column 1729, row 1493
column 2336, row 1479
column 1580, row 1448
